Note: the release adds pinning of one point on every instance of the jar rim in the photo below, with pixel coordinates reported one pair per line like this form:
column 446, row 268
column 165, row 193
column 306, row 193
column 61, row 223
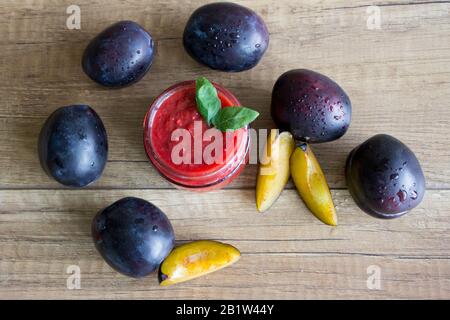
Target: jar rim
column 169, row 172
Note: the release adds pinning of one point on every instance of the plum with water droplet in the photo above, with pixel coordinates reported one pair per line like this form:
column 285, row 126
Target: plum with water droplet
column 120, row 55
column 226, row 36
column 133, row 236
column 384, row 177
column 311, row 106
column 73, row 146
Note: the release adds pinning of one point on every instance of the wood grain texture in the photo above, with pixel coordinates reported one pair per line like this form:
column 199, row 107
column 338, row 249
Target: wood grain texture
column 286, row 253
column 398, row 79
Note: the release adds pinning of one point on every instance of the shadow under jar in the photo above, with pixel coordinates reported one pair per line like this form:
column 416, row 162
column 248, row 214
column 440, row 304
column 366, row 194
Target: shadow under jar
column 184, row 149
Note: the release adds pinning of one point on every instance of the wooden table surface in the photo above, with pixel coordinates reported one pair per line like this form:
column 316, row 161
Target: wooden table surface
column 398, row 78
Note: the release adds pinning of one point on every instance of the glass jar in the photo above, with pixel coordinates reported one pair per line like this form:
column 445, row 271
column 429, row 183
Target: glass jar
column 175, row 108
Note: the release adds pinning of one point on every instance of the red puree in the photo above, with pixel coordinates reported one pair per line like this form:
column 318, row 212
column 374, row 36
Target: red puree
column 179, row 110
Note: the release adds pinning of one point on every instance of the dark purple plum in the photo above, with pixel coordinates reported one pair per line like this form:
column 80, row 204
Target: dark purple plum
column 384, row 177
column 226, row 36
column 120, row 55
column 311, row 106
column 73, row 146
column 133, row 236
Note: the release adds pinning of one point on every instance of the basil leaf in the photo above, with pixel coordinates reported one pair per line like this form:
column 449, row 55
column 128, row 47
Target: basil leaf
column 232, row 118
column 208, row 103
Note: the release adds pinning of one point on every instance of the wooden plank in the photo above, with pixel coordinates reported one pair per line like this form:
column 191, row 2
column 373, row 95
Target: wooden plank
column 397, row 78
column 269, row 277
column 286, row 253
column 231, row 215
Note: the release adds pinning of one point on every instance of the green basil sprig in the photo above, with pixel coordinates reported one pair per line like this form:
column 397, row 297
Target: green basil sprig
column 224, row 119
